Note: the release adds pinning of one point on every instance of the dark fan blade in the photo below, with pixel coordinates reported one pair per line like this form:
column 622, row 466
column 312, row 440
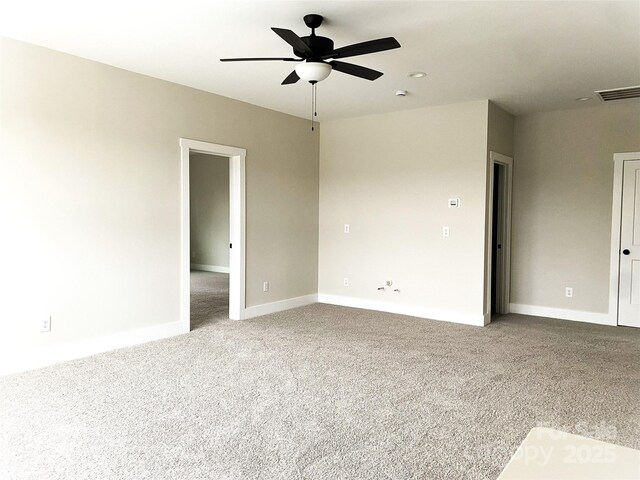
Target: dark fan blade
column 259, row 59
column 356, row 70
column 292, row 78
column 294, row 40
column 372, row 46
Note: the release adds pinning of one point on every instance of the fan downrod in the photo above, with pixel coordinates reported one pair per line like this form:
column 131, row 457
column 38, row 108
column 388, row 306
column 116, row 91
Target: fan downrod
column 319, row 45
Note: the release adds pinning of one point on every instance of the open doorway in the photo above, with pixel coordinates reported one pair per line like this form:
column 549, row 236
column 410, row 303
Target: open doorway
column 212, row 253
column 499, row 227
column 209, row 237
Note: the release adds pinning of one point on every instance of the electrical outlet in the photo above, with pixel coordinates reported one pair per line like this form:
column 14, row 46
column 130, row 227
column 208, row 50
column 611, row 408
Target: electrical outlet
column 345, row 282
column 445, row 231
column 45, row 326
column 265, row 287
column 568, row 292
column 346, row 228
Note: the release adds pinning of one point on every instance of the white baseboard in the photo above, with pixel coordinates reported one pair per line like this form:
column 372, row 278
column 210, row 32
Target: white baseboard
column 15, row 361
column 279, row 306
column 563, row 314
column 411, row 310
column 209, row 268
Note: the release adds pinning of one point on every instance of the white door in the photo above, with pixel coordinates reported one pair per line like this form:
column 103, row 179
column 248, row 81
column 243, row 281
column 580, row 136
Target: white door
column 629, row 296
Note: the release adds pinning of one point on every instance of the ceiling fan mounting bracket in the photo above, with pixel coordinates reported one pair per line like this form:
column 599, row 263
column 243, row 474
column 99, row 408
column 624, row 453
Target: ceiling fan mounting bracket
column 313, row 20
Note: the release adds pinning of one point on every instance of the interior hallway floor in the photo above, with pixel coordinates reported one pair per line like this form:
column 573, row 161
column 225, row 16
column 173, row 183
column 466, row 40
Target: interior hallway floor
column 321, row 392
column 209, row 298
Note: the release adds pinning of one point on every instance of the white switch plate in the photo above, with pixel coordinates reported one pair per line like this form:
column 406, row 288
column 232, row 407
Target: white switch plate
column 445, row 231
column 454, row 202
column 45, row 327
column 346, row 228
column 568, row 292
column 265, row 287
column 345, row 282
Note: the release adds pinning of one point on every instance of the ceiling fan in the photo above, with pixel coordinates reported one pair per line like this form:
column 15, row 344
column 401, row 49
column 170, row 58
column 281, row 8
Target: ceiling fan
column 318, row 55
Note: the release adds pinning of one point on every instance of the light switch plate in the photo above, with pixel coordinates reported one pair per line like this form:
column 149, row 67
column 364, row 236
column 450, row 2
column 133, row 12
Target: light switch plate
column 45, row 326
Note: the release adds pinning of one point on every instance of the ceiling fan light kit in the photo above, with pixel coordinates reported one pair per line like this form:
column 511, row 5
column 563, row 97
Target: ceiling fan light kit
column 313, row 72
column 318, row 56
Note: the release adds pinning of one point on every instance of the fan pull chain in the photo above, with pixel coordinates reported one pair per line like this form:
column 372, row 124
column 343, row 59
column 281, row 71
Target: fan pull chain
column 313, row 103
column 315, row 99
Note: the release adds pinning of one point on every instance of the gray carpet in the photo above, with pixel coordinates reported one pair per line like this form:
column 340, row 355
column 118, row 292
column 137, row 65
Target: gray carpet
column 321, row 392
column 209, row 298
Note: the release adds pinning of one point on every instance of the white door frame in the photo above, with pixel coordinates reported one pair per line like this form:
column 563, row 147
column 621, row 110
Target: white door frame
column 507, row 162
column 237, row 219
column 616, row 224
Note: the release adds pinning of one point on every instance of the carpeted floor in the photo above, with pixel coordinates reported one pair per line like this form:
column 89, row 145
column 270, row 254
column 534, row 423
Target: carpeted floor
column 209, row 298
column 321, row 392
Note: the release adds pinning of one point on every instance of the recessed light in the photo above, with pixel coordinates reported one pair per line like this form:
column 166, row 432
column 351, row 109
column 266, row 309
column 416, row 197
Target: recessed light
column 583, row 99
column 417, row 74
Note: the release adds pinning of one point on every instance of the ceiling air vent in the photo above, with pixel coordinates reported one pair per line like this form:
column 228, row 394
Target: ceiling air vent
column 619, row 93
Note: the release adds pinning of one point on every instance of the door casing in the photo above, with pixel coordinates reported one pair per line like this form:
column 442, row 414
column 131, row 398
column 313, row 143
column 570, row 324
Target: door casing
column 237, row 219
column 505, row 273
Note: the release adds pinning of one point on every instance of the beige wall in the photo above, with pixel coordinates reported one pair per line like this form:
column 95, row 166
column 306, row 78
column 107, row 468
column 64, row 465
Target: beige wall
column 90, row 195
column 209, row 209
column 390, row 176
column 561, row 225
column 500, row 131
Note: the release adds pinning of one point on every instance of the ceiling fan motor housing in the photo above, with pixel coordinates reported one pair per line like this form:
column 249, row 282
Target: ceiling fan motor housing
column 320, row 46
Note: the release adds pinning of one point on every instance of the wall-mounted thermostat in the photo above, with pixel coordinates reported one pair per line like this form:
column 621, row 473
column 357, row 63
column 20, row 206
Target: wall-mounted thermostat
column 454, row 202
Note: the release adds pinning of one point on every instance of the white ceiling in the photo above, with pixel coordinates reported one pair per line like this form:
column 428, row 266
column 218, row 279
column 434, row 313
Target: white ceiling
column 526, row 56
